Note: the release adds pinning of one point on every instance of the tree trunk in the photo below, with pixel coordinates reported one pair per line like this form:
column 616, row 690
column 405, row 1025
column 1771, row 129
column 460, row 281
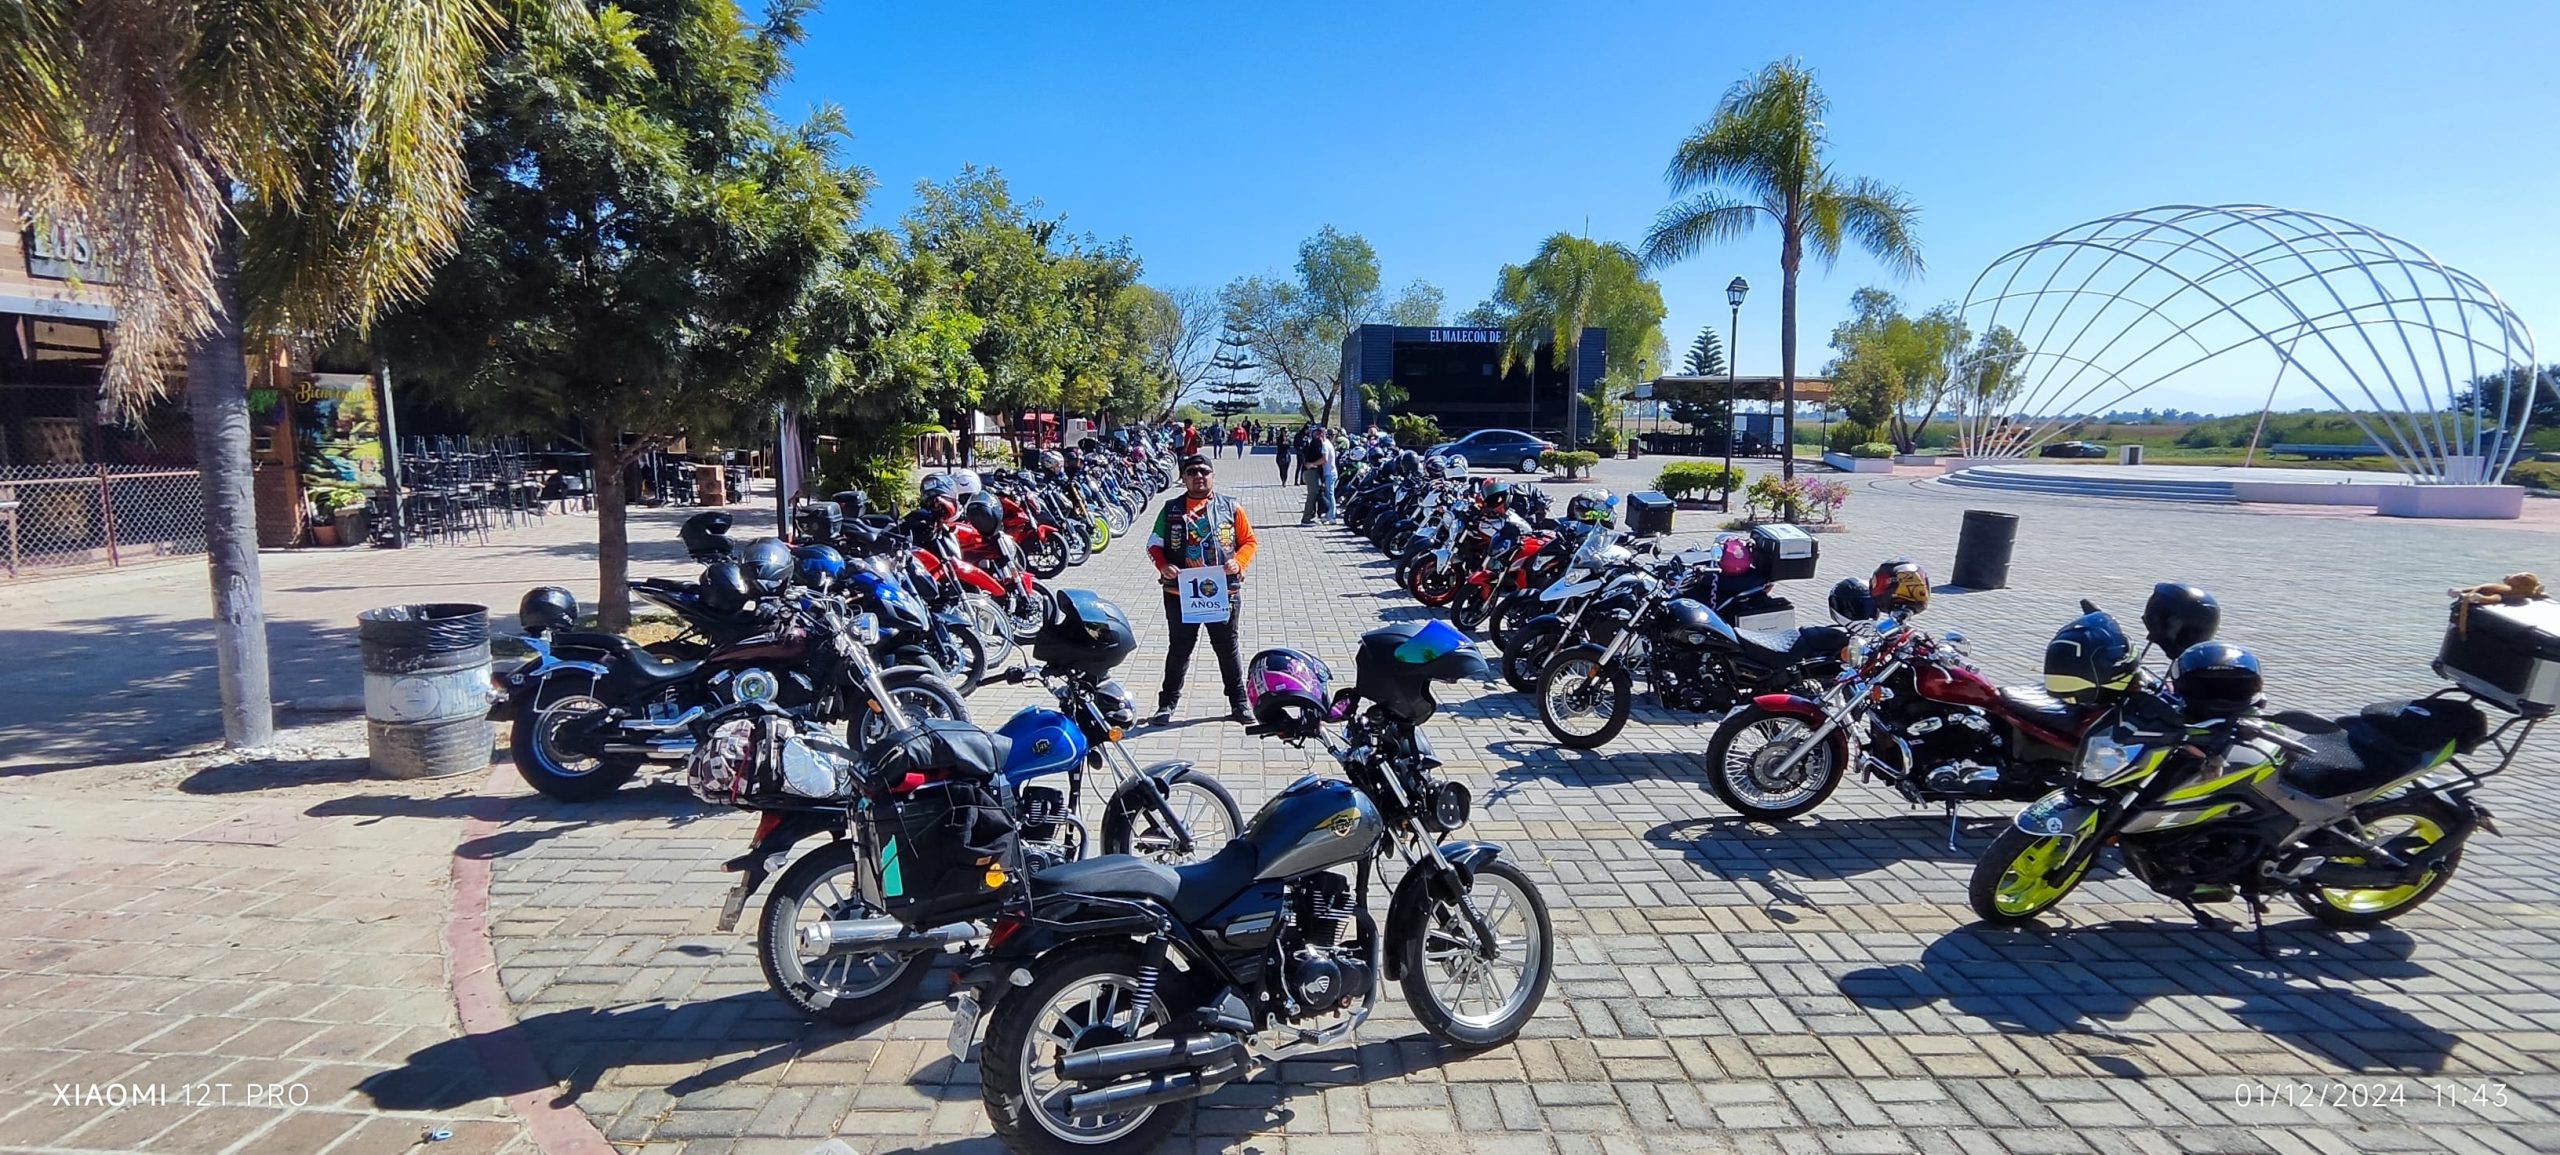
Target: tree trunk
column 613, row 541
column 218, row 401
column 1787, row 364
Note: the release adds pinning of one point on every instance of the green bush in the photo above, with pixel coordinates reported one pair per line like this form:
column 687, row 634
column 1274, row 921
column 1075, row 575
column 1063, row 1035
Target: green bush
column 1571, row 463
column 1415, row 430
column 2544, row 475
column 1872, row 449
column 1848, row 433
column 1696, row 479
column 1606, row 443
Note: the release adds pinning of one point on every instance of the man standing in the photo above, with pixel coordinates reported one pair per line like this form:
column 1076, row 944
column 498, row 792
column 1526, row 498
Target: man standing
column 1285, row 449
column 1201, row 528
column 1315, row 468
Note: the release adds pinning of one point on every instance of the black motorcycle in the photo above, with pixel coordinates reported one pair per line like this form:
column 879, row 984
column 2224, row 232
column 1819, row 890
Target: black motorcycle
column 1693, row 660
column 1125, row 990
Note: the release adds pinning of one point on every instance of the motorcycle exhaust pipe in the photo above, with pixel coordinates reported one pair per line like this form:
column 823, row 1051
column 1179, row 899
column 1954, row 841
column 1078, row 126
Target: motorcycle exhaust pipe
column 678, row 722
column 877, row 935
column 654, row 750
column 1121, row 1060
column 1154, row 1092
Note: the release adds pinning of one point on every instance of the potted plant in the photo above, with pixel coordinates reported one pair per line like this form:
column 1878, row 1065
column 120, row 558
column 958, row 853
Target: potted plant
column 352, row 517
column 329, row 528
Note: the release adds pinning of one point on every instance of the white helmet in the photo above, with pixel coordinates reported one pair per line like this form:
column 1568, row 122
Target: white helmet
column 965, row 483
column 1458, row 466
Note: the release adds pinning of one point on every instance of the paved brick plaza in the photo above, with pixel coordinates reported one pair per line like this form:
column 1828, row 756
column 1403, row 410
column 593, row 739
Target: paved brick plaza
column 1722, row 986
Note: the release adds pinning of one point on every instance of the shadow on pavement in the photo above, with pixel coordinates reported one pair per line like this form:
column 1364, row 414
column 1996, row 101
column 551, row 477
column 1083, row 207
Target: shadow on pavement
column 2081, row 980
column 128, row 688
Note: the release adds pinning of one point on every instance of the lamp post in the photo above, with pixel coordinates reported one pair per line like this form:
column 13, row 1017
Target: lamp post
column 1733, row 294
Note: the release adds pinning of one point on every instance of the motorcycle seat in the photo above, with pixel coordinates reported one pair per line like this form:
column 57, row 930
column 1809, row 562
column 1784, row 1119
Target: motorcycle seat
column 2039, row 708
column 1109, row 876
column 583, row 640
column 1787, row 647
column 1208, row 885
column 652, row 668
column 2388, row 741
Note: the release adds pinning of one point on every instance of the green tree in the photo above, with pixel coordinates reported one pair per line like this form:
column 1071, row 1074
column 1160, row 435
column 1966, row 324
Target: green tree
column 248, row 169
column 1418, row 306
column 645, row 244
column 1706, row 355
column 1761, row 156
column 1572, row 283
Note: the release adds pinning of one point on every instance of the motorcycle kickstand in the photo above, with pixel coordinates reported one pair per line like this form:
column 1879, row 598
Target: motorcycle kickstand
column 1951, row 827
column 2258, row 921
column 2205, row 921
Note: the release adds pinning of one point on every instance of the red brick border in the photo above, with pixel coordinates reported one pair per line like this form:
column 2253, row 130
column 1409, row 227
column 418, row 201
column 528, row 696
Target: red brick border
column 482, row 1002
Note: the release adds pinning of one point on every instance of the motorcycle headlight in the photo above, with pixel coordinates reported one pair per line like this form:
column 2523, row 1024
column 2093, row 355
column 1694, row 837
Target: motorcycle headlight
column 865, row 629
column 2104, row 758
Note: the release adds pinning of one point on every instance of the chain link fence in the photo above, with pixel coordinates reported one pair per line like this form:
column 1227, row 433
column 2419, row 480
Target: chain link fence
column 65, row 517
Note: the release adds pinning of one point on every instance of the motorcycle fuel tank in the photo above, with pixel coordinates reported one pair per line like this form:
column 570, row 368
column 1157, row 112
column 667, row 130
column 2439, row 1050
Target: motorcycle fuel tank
column 1044, row 741
column 1312, row 824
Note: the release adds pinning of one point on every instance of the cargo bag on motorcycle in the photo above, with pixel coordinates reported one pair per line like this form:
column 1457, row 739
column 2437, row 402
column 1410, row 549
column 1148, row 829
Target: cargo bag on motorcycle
column 767, row 758
column 937, row 817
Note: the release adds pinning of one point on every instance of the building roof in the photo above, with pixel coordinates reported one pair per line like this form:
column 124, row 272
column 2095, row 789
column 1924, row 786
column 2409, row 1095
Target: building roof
column 1746, row 387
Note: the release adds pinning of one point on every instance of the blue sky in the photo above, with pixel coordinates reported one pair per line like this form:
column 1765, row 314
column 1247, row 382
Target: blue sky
column 1216, row 136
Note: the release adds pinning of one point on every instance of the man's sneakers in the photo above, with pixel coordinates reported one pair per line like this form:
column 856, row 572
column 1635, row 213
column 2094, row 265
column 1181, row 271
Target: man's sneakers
column 1162, row 717
column 1239, row 712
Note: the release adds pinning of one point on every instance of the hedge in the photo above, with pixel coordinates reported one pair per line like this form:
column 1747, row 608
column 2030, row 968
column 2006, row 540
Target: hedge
column 1872, row 449
column 1696, row 479
column 1570, row 462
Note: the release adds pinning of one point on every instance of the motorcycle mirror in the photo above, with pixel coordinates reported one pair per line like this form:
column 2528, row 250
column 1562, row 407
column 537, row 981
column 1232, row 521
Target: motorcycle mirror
column 2087, row 606
column 1955, row 637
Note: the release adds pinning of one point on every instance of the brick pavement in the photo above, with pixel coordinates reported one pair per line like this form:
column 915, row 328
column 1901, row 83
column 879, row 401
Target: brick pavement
column 1722, row 986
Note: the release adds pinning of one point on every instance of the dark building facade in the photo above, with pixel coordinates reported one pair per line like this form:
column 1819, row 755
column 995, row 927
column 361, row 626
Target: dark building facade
column 1453, row 374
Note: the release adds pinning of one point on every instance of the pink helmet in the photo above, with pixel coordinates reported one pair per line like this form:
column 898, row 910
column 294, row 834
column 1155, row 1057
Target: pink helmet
column 1736, row 559
column 1289, row 691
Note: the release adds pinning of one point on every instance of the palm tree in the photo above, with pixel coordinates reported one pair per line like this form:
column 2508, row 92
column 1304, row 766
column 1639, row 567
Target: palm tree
column 252, row 168
column 1761, row 155
column 1553, row 297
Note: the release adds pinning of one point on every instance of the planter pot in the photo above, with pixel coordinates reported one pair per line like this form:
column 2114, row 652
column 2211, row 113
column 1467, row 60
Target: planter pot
column 324, row 533
column 2478, row 502
column 352, row 525
column 1847, row 464
column 1916, row 459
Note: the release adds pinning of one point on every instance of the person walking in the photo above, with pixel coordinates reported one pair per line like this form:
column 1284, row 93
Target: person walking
column 1201, row 528
column 1315, row 468
column 1285, row 452
column 1190, row 439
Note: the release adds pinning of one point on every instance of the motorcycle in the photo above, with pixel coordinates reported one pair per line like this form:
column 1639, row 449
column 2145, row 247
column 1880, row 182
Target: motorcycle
column 1125, row 991
column 1692, row 658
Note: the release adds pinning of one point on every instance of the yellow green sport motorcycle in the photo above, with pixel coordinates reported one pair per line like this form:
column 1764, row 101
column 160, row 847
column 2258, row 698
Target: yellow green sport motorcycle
column 2358, row 819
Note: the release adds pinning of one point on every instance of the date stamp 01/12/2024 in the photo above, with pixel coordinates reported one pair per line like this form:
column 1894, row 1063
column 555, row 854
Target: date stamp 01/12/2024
column 2379, row 1094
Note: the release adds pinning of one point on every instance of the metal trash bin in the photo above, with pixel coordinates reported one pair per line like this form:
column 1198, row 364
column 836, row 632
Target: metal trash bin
column 426, row 689
column 1983, row 547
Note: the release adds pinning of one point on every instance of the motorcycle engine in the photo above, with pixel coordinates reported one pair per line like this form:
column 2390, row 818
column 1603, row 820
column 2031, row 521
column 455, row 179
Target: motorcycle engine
column 1322, row 974
column 1046, row 838
column 1955, row 753
column 2197, row 864
column 1685, row 681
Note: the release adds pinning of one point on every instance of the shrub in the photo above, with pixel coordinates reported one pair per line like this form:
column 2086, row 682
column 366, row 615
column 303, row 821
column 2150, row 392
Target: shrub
column 2544, row 475
column 1847, row 433
column 1696, row 479
column 1605, row 443
column 1414, row 430
column 1825, row 496
column 1571, row 463
column 1872, row 449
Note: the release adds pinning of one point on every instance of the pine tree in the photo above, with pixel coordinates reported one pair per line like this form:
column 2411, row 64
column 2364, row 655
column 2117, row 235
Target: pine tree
column 1240, row 392
column 1706, row 355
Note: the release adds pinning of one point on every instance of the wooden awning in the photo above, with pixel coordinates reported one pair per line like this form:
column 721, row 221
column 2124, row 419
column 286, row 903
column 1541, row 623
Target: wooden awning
column 1810, row 390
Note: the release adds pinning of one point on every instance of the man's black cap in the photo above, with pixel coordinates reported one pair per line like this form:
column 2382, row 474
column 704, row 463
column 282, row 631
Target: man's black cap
column 1197, row 460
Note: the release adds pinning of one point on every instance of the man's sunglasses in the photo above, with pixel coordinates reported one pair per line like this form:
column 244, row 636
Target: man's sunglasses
column 1196, row 471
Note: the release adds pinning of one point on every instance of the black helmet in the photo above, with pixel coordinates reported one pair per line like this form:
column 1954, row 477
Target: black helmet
column 853, row 502
column 706, row 535
column 985, row 514
column 768, row 564
column 724, row 588
column 2217, row 680
column 1851, row 601
column 2179, row 616
column 546, row 608
column 1085, row 635
column 1397, row 665
column 1596, row 507
column 2088, row 659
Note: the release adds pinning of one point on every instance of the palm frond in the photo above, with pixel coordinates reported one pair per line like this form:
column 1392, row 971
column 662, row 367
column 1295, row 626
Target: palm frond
column 1880, row 218
column 1703, row 218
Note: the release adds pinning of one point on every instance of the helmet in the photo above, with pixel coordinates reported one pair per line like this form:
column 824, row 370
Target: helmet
column 1457, row 466
column 965, row 483
column 1086, row 635
column 1071, row 461
column 1436, row 465
column 546, row 608
column 1852, row 601
column 853, row 502
column 985, row 514
column 1409, row 462
column 1050, row 461
column 706, row 535
column 1289, row 691
column 768, row 564
column 2087, row 659
column 1397, row 665
column 2179, row 616
column 1088, row 444
column 936, row 485
column 1598, row 507
column 1900, row 585
column 724, row 588
column 819, row 566
column 1115, row 703
column 2217, row 680
column 1496, row 495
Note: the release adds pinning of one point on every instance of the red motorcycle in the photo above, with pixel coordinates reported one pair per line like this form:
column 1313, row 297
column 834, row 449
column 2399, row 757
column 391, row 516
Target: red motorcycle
column 1911, row 713
column 1520, row 561
column 946, row 547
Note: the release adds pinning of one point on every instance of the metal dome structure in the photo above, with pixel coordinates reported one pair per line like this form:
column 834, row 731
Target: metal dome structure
column 2244, row 299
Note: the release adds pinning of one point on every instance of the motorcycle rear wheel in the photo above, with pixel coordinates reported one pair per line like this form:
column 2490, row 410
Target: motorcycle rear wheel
column 846, row 990
column 2402, row 826
column 560, row 773
column 1742, row 786
column 1078, row 999
column 2013, row 883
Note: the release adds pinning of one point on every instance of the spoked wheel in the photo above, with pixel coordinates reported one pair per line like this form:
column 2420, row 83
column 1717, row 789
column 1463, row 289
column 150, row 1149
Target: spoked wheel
column 2022, row 876
column 2406, row 827
column 1206, row 811
column 1459, row 993
column 966, row 657
column 1582, row 702
column 994, row 631
column 1078, row 545
column 1748, row 768
column 845, row 989
column 920, row 693
column 1077, row 1002
column 1046, row 556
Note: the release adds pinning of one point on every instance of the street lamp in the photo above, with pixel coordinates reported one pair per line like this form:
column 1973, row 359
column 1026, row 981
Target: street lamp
column 1733, row 294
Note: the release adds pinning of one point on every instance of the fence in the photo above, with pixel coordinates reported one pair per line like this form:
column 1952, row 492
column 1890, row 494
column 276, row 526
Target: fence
column 55, row 517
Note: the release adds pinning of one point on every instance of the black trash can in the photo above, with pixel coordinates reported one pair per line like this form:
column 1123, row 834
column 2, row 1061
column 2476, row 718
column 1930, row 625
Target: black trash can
column 426, row 689
column 1983, row 547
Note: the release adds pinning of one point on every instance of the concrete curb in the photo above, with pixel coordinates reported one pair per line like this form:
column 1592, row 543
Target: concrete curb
column 482, row 1002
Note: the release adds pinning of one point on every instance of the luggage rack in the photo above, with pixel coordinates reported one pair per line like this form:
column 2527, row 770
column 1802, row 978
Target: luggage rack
column 2529, row 715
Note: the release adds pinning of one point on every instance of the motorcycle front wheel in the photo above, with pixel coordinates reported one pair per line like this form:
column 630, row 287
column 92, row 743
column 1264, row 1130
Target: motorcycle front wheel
column 919, row 692
column 1463, row 998
column 1744, row 758
column 1028, row 613
column 1432, row 583
column 1581, row 702
column 1207, row 812
column 2405, row 827
column 2017, row 878
column 844, row 989
column 1526, row 654
column 1078, row 544
column 1077, row 1000
column 995, row 633
column 1467, row 610
column 1046, row 556
column 967, row 656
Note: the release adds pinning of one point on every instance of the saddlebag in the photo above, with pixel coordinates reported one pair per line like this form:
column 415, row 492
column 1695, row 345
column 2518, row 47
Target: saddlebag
column 2509, row 655
column 749, row 760
column 937, row 815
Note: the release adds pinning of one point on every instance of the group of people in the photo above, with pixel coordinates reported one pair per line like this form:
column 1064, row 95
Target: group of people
column 1190, row 438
